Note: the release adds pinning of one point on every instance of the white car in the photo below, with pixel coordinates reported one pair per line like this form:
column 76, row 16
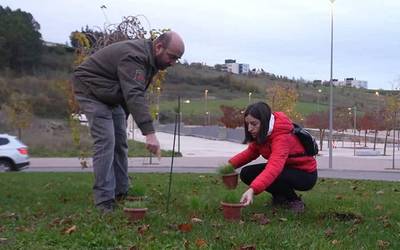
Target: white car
column 13, row 153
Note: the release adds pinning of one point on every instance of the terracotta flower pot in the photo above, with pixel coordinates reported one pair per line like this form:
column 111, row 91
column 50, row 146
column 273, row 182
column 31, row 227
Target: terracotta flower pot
column 230, row 180
column 231, row 211
column 135, row 214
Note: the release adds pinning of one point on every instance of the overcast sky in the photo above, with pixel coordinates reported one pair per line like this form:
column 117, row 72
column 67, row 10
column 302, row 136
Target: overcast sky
column 285, row 37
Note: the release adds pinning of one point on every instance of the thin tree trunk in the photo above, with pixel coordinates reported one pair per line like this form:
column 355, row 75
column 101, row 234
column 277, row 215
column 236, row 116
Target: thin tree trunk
column 365, row 138
column 376, row 134
column 384, row 146
column 321, row 138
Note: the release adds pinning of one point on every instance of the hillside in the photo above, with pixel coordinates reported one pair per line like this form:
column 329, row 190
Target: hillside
column 43, row 89
column 190, row 82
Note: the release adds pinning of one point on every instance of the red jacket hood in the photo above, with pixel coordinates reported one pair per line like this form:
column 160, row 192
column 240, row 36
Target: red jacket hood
column 282, row 125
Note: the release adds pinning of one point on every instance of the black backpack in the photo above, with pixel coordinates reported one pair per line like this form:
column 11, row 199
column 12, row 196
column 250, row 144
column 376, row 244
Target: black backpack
column 307, row 140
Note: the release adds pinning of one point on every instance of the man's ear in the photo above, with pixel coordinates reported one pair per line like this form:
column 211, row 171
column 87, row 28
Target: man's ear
column 158, row 47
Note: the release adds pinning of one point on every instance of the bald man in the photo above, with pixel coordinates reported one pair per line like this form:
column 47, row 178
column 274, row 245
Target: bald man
column 111, row 80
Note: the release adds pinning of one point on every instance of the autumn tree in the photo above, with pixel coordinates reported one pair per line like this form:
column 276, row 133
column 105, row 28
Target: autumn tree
column 284, row 99
column 318, row 120
column 232, row 117
column 18, row 111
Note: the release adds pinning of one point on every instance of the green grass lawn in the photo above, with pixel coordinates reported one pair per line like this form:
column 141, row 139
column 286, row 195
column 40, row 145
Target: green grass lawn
column 38, row 209
column 135, row 149
column 197, row 106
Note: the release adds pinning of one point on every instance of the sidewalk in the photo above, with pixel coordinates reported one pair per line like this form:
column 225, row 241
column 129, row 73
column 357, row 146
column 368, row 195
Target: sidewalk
column 204, row 156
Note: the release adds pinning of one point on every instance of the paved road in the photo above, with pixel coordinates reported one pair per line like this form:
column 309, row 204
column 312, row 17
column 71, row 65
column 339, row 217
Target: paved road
column 344, row 167
column 204, row 155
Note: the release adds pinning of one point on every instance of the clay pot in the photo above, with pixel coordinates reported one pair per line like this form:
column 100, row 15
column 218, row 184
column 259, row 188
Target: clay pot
column 135, row 214
column 230, row 180
column 231, row 211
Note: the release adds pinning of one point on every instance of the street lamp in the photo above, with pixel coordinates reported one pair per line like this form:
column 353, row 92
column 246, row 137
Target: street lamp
column 250, row 97
column 319, row 93
column 206, row 106
column 158, row 104
column 331, row 91
column 354, row 127
column 377, row 96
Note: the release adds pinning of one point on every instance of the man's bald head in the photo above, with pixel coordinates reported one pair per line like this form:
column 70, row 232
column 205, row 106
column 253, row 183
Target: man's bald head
column 168, row 48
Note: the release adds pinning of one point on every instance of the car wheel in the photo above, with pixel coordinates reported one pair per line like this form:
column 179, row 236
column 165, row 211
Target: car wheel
column 6, row 165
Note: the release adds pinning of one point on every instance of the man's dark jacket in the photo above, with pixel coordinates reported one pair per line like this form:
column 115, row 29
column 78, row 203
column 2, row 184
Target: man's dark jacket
column 119, row 74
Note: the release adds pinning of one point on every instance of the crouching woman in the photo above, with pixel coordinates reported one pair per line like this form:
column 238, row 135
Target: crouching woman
column 287, row 169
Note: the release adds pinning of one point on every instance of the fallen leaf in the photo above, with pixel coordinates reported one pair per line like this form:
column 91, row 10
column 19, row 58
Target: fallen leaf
column 380, row 192
column 261, row 219
column 185, row 228
column 329, row 232
column 335, row 242
column 22, row 229
column 216, row 225
column 143, row 229
column 196, row 220
column 201, row 243
column 248, row 247
column 339, row 197
column 9, row 215
column 352, row 230
column 383, row 244
column 3, row 239
column 70, row 230
column 378, row 207
column 283, row 219
column 172, row 226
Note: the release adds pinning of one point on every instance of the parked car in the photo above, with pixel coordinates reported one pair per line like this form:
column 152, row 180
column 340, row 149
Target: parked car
column 13, row 153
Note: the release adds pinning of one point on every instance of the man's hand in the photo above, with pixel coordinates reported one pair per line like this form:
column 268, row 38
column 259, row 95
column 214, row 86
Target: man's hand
column 153, row 145
column 247, row 197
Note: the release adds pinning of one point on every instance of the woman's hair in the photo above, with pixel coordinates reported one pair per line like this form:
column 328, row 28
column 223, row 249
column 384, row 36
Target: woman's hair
column 262, row 112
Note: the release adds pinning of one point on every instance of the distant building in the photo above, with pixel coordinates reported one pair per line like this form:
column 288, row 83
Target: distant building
column 352, row 82
column 235, row 68
column 348, row 82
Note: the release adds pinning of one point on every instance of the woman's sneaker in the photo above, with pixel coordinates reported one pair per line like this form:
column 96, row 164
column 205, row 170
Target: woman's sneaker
column 297, row 206
column 279, row 201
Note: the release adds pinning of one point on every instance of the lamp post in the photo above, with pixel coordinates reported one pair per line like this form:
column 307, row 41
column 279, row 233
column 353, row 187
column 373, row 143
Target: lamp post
column 319, row 93
column 377, row 96
column 250, row 97
column 158, row 104
column 354, row 127
column 331, row 91
column 206, row 106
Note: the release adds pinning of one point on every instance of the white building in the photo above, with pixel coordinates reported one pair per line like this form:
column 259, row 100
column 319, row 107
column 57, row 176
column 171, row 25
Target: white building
column 236, row 68
column 352, row 82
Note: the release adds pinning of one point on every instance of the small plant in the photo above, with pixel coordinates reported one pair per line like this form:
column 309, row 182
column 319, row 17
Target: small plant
column 135, row 204
column 137, row 190
column 231, row 206
column 135, row 210
column 195, row 203
column 226, row 169
column 229, row 175
column 231, row 197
